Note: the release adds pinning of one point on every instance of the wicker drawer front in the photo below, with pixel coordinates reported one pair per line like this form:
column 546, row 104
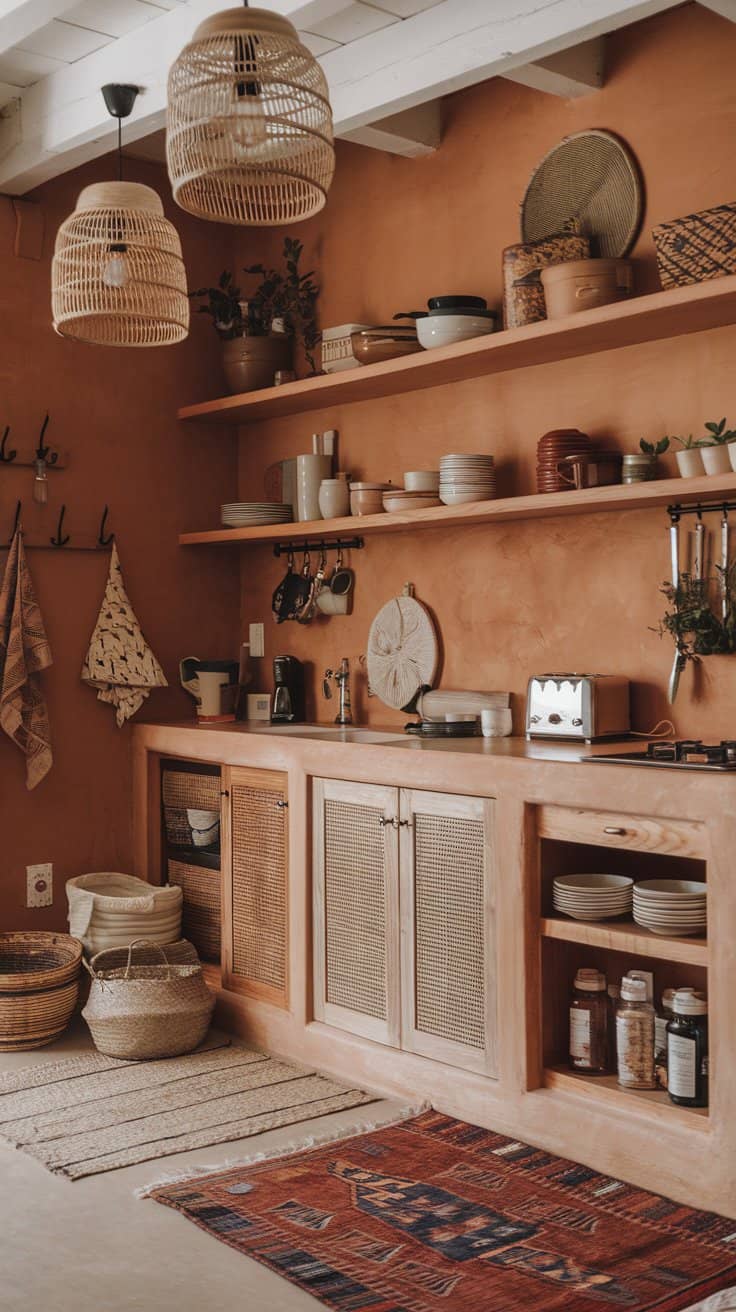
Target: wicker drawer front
column 259, row 887
column 355, row 901
column 448, row 920
column 202, row 910
column 185, row 791
column 611, row 829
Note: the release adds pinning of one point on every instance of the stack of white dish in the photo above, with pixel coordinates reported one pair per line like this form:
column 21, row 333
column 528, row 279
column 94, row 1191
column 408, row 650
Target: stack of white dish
column 465, row 478
column 249, row 514
column 675, row 907
column 592, row 897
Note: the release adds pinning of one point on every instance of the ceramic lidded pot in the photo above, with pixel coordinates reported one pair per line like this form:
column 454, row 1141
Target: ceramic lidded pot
column 334, row 498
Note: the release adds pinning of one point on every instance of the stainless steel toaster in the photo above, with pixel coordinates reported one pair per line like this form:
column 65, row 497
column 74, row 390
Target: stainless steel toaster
column 582, row 706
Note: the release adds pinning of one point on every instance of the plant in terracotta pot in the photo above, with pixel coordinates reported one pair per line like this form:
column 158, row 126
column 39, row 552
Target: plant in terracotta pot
column 717, row 449
column 258, row 331
column 641, row 467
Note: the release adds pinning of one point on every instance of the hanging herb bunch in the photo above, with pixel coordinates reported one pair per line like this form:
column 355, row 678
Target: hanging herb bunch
column 691, row 620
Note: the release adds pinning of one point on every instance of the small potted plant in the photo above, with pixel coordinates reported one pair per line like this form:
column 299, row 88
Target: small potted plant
column 717, row 450
column 690, row 458
column 640, row 467
column 259, row 330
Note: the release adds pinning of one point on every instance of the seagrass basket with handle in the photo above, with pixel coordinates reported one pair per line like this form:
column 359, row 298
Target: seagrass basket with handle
column 138, row 1012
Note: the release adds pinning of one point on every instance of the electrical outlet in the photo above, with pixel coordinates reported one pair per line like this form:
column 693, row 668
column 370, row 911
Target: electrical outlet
column 256, row 638
column 40, row 885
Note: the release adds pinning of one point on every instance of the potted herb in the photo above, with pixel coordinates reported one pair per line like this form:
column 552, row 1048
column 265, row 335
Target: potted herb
column 640, row 467
column 718, row 454
column 690, row 458
column 259, row 329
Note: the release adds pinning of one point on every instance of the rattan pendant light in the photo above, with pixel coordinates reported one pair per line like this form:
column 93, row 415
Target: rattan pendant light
column 249, row 136
column 118, row 277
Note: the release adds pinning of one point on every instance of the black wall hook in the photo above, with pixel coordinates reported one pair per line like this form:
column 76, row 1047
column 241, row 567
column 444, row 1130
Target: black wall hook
column 44, row 452
column 60, row 540
column 103, row 539
column 16, row 522
column 6, row 456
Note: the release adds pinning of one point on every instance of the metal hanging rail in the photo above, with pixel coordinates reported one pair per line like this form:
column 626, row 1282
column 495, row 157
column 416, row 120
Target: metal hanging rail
column 700, row 508
column 298, row 548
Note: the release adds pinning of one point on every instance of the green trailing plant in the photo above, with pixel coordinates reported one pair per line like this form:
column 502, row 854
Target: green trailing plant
column 691, row 621
column 287, row 295
column 655, row 448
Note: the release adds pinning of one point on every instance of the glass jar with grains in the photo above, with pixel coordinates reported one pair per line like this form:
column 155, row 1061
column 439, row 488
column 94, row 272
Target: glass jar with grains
column 589, row 1022
column 635, row 1035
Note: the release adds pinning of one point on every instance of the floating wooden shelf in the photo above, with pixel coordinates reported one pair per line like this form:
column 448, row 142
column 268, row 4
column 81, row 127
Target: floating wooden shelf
column 673, row 313
column 606, row 1088
column 626, row 937
column 634, row 496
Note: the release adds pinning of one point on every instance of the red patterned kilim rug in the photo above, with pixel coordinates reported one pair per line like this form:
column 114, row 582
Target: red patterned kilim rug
column 434, row 1215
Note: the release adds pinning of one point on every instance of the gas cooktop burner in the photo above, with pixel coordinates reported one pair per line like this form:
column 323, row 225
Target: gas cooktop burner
column 686, row 754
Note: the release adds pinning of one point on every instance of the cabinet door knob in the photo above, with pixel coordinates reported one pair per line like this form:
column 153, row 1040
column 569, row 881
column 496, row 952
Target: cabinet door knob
column 388, row 820
column 225, row 792
column 614, row 829
column 282, row 805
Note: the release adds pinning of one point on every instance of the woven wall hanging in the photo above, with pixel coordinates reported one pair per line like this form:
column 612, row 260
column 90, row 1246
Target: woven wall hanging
column 249, row 133
column 117, row 276
column 593, row 178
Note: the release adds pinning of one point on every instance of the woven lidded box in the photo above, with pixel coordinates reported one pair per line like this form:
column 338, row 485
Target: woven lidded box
column 697, row 247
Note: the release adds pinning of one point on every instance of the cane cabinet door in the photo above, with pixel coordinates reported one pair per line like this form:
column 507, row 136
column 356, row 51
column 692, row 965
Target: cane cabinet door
column 256, row 884
column 448, row 988
column 356, row 908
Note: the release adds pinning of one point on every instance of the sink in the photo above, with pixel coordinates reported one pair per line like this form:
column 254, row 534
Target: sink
column 331, row 733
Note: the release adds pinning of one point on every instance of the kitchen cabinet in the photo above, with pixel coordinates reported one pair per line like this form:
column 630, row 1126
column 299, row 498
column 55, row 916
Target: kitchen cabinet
column 404, row 919
column 255, row 927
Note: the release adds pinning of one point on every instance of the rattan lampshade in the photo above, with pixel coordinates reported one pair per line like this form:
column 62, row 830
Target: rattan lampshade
column 117, row 277
column 249, row 137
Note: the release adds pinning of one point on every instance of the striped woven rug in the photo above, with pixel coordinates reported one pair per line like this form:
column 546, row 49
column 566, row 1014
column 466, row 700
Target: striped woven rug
column 90, row 1114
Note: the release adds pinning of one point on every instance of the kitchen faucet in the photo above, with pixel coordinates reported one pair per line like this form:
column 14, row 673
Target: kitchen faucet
column 342, row 679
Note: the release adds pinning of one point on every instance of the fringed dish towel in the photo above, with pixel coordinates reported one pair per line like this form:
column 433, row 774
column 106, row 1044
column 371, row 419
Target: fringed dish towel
column 24, row 652
column 119, row 663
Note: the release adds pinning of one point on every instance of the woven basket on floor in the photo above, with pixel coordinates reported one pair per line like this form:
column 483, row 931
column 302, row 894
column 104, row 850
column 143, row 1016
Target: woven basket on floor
column 142, row 1012
column 109, row 910
column 39, row 984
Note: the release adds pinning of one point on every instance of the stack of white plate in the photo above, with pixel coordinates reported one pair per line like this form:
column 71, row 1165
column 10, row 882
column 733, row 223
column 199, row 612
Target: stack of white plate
column 592, row 897
column 467, row 478
column 675, row 907
column 249, row 514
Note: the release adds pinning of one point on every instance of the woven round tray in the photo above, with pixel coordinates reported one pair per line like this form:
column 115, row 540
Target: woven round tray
column 402, row 652
column 593, row 178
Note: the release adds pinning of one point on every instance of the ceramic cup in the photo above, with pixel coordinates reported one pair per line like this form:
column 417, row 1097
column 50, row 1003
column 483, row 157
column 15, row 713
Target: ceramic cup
column 310, row 471
column 334, row 498
column 690, row 461
column 496, row 722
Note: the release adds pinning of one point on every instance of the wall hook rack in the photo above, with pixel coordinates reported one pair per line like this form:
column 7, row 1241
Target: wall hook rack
column 60, row 539
column 6, row 457
column 43, row 452
column 104, row 539
column 700, row 508
column 340, row 544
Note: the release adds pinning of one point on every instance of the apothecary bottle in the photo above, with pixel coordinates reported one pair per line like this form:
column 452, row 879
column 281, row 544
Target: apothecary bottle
column 635, row 1035
column 589, row 1022
column 662, row 1019
column 614, row 993
column 687, row 1049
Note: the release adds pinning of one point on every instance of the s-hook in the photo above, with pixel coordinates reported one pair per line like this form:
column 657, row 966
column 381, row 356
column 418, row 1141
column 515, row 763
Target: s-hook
column 16, row 522
column 45, row 453
column 60, row 540
column 6, row 457
column 103, row 539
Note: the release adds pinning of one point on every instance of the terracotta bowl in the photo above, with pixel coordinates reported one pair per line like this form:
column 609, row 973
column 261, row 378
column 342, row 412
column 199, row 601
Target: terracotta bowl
column 372, row 345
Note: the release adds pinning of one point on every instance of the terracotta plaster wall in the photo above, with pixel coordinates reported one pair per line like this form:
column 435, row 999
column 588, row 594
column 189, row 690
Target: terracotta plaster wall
column 114, row 412
column 575, row 593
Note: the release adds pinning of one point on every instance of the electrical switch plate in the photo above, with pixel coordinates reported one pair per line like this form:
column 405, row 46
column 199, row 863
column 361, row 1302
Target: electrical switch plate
column 39, row 885
column 256, row 639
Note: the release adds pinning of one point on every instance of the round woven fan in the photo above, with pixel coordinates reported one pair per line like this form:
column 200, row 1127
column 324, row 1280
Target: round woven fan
column 590, row 177
column 402, row 653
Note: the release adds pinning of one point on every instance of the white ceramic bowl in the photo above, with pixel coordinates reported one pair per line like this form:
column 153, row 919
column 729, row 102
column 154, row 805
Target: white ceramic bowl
column 671, row 889
column 463, row 498
column 596, row 881
column 444, row 329
column 422, row 480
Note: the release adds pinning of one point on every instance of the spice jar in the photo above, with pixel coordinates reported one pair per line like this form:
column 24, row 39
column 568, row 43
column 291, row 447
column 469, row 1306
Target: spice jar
column 687, row 1049
column 635, row 1035
column 661, row 1021
column 589, row 1022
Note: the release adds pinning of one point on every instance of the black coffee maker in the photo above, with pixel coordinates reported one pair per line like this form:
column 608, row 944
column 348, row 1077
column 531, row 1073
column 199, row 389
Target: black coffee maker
column 288, row 695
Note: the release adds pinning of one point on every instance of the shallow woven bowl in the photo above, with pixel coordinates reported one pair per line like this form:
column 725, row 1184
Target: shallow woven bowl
column 592, row 178
column 33, row 961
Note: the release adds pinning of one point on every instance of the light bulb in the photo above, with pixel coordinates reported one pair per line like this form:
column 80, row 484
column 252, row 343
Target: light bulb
column 40, row 484
column 115, row 272
column 248, row 122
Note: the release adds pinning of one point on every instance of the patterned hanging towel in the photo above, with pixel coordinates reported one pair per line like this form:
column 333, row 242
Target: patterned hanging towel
column 24, row 652
column 119, row 663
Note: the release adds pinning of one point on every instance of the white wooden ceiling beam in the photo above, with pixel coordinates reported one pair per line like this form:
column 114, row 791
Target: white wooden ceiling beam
column 451, row 45
column 726, row 8
column 570, row 74
column 19, row 21
column 412, row 133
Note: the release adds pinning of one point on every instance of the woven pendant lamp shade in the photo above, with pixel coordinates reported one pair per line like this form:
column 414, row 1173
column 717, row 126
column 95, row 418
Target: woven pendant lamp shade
column 249, row 136
column 117, row 277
